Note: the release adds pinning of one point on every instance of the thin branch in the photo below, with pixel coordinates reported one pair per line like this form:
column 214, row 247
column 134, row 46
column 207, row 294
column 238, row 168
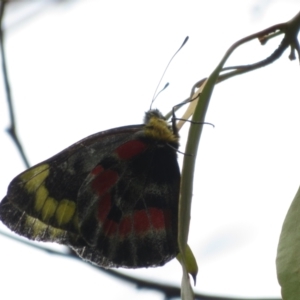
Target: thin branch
column 169, row 291
column 12, row 129
column 289, row 29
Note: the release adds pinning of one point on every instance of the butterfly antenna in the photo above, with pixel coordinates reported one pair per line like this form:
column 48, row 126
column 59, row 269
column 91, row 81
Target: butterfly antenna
column 166, row 85
column 155, row 95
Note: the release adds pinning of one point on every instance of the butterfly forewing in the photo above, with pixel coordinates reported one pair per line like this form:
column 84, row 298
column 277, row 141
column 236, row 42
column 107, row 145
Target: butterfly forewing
column 41, row 203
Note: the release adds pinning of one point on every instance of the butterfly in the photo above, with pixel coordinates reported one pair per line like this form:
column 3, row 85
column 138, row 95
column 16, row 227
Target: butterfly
column 112, row 197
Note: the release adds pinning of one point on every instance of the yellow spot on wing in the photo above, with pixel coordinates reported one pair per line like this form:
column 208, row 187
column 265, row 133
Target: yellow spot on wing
column 38, row 230
column 40, row 197
column 49, row 209
column 34, row 171
column 65, row 211
column 35, row 177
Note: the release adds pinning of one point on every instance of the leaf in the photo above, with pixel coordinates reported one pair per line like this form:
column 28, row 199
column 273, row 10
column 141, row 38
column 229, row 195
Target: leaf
column 190, row 262
column 288, row 253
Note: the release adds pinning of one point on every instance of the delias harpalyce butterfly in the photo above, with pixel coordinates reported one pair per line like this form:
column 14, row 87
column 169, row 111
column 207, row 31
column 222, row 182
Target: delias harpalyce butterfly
column 112, row 197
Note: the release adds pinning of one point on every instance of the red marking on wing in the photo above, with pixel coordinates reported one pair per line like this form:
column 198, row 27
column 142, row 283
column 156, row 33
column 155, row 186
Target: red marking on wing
column 125, row 226
column 104, row 181
column 168, row 218
column 130, row 149
column 141, row 221
column 145, row 220
column 97, row 170
column 104, row 207
column 157, row 217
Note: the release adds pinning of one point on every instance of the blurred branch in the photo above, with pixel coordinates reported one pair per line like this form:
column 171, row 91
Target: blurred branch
column 169, row 291
column 12, row 129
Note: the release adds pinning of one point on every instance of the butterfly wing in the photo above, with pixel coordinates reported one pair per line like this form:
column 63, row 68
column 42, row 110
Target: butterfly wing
column 112, row 196
column 128, row 208
column 41, row 203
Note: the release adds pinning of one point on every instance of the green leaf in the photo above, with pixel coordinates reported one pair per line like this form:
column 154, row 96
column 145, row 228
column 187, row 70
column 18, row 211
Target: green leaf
column 189, row 262
column 288, row 253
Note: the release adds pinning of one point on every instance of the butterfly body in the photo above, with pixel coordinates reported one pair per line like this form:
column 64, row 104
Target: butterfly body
column 112, row 197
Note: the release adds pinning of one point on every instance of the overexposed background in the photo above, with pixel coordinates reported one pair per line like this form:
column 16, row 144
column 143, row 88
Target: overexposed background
column 79, row 67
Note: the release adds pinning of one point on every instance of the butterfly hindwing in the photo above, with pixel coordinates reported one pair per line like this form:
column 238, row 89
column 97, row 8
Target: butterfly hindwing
column 128, row 208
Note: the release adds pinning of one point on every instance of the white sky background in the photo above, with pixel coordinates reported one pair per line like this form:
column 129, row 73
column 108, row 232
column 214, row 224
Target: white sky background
column 85, row 66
